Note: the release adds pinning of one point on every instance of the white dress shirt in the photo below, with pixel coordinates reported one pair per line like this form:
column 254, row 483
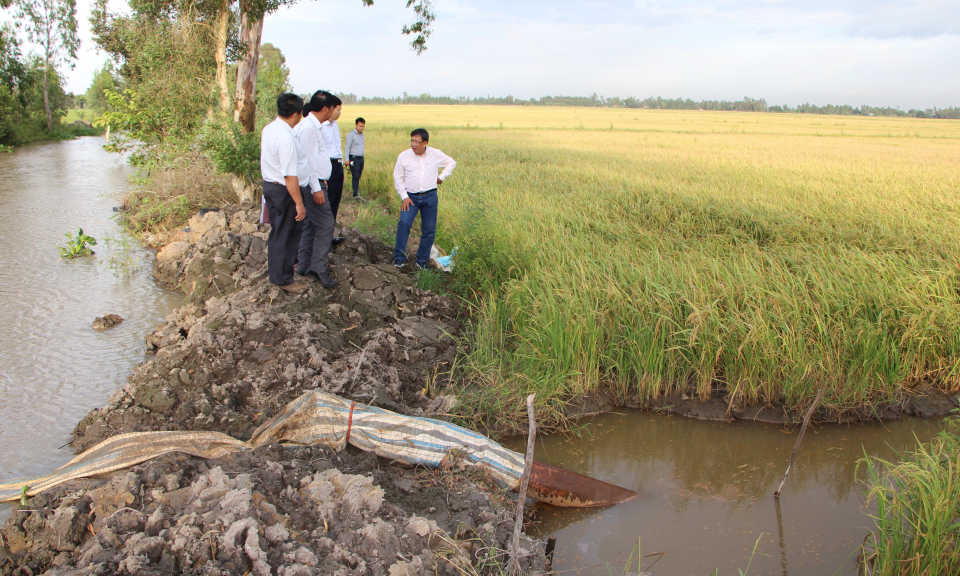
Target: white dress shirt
column 419, row 173
column 311, row 141
column 281, row 155
column 331, row 135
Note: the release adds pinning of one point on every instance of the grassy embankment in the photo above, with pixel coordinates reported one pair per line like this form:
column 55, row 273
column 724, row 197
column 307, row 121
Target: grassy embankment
column 757, row 256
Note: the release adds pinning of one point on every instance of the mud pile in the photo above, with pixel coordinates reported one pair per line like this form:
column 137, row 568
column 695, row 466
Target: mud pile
column 229, row 359
column 274, row 511
column 241, row 348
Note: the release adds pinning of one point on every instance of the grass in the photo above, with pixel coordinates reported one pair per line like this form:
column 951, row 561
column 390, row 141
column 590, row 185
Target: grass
column 166, row 199
column 918, row 511
column 758, row 257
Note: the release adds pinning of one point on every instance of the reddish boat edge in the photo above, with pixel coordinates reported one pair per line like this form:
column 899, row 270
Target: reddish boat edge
column 560, row 487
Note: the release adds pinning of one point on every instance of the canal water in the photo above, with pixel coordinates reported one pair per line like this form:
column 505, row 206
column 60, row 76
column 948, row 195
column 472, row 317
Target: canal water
column 54, row 367
column 706, row 494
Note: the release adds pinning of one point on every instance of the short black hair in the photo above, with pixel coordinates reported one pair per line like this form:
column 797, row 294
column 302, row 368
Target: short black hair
column 422, row 133
column 359, row 120
column 289, row 104
column 322, row 99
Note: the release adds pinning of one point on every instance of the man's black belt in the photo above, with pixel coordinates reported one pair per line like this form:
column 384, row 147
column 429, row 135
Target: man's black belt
column 423, row 192
column 338, row 160
column 355, row 156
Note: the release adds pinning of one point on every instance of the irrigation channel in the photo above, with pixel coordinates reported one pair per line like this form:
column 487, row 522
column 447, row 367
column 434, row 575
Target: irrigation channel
column 54, row 367
column 706, row 494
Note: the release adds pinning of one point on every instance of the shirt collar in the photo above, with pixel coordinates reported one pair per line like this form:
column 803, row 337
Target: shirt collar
column 283, row 123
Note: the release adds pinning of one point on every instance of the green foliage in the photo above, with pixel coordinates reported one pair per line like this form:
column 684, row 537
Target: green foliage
column 273, row 79
column 23, row 495
column 167, row 68
column 78, row 245
column 918, row 510
column 22, row 113
column 104, row 83
column 53, row 25
column 232, row 150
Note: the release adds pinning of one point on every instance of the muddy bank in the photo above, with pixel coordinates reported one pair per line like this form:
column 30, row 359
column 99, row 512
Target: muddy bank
column 229, row 359
column 921, row 403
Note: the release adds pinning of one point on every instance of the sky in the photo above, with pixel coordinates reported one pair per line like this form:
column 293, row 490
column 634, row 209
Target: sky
column 877, row 52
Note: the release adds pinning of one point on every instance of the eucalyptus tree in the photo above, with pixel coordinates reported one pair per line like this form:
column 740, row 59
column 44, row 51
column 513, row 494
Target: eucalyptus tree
column 252, row 13
column 53, row 25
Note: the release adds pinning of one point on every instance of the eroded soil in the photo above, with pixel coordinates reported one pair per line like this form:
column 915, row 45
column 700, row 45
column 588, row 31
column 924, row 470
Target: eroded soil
column 229, row 359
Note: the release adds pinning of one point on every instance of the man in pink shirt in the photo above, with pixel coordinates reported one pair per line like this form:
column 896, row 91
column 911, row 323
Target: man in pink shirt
column 416, row 177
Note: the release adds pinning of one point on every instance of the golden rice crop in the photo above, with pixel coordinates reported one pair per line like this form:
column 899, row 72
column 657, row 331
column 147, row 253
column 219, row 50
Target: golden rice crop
column 755, row 256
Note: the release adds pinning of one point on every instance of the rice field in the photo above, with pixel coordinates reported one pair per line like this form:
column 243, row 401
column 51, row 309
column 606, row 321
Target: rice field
column 753, row 256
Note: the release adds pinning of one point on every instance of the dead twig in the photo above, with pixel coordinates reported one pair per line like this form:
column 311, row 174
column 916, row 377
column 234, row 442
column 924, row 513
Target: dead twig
column 803, row 429
column 524, row 481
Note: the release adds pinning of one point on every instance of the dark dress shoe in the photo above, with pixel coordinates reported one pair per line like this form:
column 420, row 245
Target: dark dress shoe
column 336, row 241
column 326, row 281
column 322, row 277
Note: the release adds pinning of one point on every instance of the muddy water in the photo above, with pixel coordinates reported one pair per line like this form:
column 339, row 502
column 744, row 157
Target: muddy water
column 706, row 494
column 54, row 367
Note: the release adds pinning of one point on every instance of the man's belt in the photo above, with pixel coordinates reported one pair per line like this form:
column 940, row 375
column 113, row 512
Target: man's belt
column 337, row 160
column 422, row 192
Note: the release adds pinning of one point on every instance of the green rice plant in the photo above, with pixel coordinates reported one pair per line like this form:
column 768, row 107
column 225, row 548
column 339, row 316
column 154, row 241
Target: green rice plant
column 918, row 511
column 78, row 245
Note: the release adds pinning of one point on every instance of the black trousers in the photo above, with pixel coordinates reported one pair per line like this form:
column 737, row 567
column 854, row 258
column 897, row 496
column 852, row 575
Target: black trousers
column 356, row 170
column 284, row 238
column 335, row 185
column 317, row 234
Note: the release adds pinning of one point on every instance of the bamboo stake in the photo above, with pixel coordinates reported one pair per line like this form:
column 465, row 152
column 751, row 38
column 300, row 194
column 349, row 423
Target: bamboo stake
column 803, row 429
column 524, row 481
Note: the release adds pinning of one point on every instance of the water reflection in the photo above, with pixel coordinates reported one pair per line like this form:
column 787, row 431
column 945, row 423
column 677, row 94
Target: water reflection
column 53, row 366
column 706, row 493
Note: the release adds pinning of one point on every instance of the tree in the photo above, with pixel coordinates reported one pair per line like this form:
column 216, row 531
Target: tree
column 104, row 82
column 252, row 13
column 53, row 25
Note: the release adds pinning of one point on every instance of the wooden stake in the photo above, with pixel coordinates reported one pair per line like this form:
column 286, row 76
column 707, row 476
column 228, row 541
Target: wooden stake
column 524, row 481
column 803, row 429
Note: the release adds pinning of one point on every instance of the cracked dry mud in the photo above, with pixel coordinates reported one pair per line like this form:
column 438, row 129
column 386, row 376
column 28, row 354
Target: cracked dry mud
column 229, row 359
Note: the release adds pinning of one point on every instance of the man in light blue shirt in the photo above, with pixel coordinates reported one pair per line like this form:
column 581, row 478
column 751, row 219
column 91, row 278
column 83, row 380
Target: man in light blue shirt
column 355, row 145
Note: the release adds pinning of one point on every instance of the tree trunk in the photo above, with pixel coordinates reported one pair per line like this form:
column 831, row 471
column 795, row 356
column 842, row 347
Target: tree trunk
column 223, row 26
column 46, row 97
column 246, row 97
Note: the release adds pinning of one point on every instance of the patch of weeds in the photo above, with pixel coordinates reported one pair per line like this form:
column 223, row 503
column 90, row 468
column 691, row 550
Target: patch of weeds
column 147, row 213
column 378, row 222
column 78, row 245
column 5, row 148
column 126, row 256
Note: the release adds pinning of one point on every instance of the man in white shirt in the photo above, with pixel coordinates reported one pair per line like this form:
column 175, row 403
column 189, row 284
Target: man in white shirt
column 331, row 135
column 416, row 177
column 318, row 227
column 285, row 182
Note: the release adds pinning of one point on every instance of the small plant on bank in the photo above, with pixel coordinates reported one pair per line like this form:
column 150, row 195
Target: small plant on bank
column 78, row 245
column 126, row 256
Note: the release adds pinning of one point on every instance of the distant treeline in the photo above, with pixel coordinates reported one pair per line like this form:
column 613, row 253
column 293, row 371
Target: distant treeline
column 745, row 105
